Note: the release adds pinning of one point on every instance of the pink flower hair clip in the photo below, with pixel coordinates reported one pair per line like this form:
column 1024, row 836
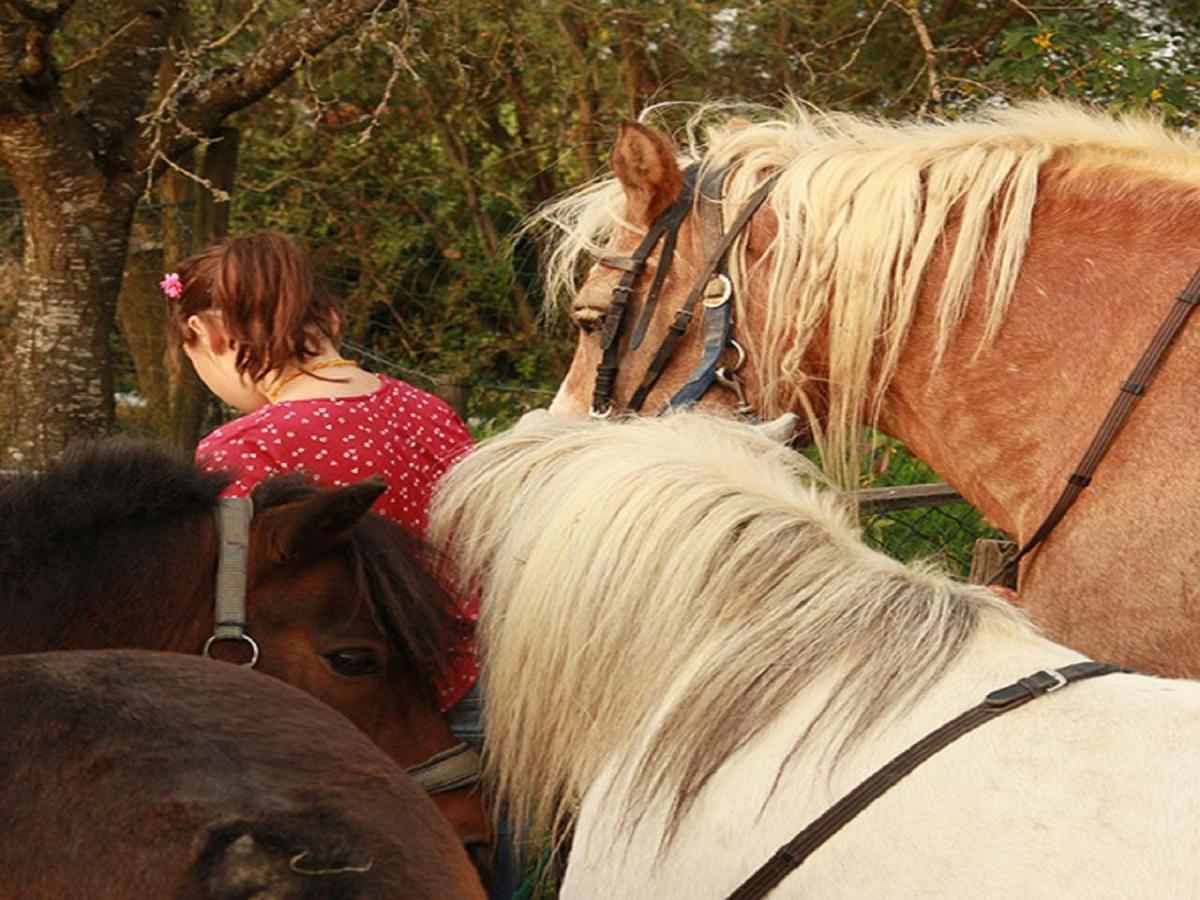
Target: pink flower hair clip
column 171, row 285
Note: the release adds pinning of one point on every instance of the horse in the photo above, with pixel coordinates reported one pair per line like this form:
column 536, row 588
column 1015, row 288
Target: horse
column 115, row 545
column 131, row 774
column 977, row 289
column 689, row 653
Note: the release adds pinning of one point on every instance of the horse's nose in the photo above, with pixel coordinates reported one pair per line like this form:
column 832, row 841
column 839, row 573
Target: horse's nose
column 482, row 856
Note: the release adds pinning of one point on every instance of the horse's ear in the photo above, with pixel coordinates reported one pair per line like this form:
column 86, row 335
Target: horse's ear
column 312, row 525
column 781, row 429
column 645, row 163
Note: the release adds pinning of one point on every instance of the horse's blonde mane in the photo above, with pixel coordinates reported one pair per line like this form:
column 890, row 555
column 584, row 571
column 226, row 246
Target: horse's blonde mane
column 862, row 207
column 620, row 561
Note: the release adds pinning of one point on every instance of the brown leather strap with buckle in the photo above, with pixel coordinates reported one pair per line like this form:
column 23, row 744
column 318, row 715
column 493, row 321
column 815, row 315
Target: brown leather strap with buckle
column 667, row 223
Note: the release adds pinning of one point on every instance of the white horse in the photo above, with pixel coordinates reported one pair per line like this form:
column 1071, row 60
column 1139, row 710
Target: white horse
column 690, row 654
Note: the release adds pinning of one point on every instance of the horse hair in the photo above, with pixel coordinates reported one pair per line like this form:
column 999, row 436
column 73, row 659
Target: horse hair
column 703, row 579
column 862, row 209
column 121, row 511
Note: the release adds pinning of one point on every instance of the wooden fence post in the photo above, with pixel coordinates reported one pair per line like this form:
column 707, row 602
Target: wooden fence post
column 989, row 556
column 456, row 393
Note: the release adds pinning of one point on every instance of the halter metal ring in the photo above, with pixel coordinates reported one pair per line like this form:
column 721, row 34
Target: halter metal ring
column 741, row 356
column 601, row 415
column 217, row 638
column 723, row 293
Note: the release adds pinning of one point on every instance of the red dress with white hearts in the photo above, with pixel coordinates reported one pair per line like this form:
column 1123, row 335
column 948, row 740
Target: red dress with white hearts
column 399, row 432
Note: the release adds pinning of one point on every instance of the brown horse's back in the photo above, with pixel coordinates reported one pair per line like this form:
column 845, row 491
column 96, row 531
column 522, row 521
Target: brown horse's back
column 127, row 774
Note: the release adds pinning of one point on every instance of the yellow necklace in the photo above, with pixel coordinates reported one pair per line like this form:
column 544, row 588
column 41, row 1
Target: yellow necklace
column 273, row 393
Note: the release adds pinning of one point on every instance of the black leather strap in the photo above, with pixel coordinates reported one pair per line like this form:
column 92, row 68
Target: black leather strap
column 1128, row 395
column 666, row 258
column 792, row 854
column 683, row 316
column 632, row 267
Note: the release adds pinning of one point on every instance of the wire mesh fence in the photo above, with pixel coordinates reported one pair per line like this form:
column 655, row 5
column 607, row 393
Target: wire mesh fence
column 922, row 518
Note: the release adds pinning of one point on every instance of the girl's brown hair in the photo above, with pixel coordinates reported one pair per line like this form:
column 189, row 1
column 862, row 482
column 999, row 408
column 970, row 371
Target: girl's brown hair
column 266, row 290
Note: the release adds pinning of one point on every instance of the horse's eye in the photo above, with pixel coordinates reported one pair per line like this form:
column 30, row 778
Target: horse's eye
column 355, row 662
column 591, row 324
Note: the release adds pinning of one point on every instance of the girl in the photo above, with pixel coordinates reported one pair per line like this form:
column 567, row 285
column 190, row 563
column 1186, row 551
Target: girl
column 261, row 334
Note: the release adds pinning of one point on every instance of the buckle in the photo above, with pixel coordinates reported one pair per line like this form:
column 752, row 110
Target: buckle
column 1058, row 678
column 724, row 290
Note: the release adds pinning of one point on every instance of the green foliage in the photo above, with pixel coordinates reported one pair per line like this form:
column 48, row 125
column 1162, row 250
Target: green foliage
column 944, row 533
column 1101, row 57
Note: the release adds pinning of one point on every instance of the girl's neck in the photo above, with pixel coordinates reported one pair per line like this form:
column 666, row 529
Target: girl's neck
column 326, row 375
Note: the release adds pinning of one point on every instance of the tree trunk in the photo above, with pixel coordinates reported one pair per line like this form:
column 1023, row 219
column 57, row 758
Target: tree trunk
column 76, row 232
column 78, row 171
column 141, row 316
column 191, row 219
column 188, row 397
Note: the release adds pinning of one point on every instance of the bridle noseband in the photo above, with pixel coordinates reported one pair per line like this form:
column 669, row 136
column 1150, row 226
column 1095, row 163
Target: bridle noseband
column 713, row 290
column 447, row 770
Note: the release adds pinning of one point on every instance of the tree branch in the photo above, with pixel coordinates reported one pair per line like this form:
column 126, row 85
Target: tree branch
column 125, row 75
column 933, row 94
column 28, row 82
column 200, row 110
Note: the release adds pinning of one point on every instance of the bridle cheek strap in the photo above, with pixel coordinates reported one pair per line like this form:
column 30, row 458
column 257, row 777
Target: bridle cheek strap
column 233, row 538
column 717, row 297
column 714, row 263
column 667, row 223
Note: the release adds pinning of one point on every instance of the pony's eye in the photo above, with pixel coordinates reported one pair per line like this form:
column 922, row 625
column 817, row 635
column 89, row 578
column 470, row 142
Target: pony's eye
column 590, row 323
column 355, row 662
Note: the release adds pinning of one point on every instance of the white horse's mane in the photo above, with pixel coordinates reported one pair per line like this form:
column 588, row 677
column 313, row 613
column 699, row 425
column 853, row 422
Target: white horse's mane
column 621, row 562
column 862, row 208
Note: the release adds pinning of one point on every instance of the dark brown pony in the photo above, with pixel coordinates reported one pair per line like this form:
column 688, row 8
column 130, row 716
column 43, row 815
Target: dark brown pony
column 115, row 545
column 128, row 774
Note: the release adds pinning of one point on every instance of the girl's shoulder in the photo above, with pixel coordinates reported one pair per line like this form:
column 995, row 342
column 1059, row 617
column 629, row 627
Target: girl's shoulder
column 413, row 401
column 239, row 430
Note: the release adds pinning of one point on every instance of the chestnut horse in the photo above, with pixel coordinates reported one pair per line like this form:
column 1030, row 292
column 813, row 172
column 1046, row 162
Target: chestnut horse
column 690, row 653
column 979, row 290
column 128, row 774
column 115, row 545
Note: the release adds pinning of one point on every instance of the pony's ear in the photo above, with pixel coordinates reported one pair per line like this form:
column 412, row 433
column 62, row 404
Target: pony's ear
column 312, row 525
column 645, row 163
column 782, row 430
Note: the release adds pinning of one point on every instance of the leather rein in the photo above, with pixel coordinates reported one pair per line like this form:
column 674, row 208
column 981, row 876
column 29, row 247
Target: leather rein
column 447, row 770
column 713, row 287
column 1128, row 395
column 792, row 855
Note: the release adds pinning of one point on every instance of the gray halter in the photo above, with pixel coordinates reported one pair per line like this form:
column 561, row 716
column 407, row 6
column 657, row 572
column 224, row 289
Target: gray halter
column 233, row 533
column 447, row 770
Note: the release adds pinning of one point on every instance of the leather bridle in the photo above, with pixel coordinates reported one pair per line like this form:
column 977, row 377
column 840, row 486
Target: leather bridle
column 233, row 549
column 713, row 287
column 447, row 770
